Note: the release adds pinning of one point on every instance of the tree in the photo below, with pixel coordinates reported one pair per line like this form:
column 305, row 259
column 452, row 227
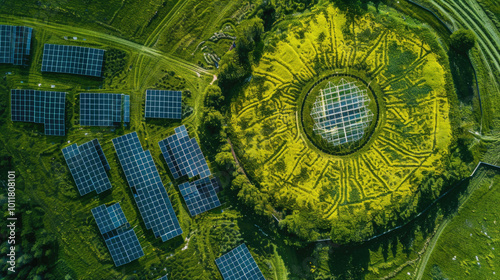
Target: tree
column 213, row 121
column 231, row 71
column 213, row 97
column 353, row 8
column 249, row 35
column 462, row 40
column 225, row 159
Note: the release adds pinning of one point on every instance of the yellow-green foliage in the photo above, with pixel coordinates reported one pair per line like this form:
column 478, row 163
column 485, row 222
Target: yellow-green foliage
column 412, row 137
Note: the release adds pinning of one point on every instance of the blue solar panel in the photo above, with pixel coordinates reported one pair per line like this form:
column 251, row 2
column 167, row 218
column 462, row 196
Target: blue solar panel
column 126, row 109
column 100, row 152
column 101, row 109
column 72, row 60
column 239, row 264
column 88, row 166
column 15, row 44
column 200, row 195
column 47, row 107
column 124, row 247
column 183, row 155
column 149, row 193
column 163, row 104
column 120, row 238
column 109, row 218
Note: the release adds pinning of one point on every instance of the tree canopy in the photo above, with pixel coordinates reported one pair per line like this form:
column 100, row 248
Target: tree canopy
column 462, row 40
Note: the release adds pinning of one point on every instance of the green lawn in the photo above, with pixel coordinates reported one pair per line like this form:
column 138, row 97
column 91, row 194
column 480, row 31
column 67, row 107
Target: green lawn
column 469, row 243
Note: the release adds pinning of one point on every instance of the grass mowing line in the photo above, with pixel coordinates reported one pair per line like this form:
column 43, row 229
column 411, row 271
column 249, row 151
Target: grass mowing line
column 155, row 34
column 469, row 22
column 162, row 25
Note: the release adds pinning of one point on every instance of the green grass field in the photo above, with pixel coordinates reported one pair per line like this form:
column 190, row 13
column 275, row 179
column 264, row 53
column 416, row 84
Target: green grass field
column 467, row 247
column 170, row 44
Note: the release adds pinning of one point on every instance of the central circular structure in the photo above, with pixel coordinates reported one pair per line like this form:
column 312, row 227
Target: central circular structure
column 339, row 114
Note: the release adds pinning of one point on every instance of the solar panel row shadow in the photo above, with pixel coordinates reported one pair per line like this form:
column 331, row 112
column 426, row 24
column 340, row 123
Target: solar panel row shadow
column 15, row 44
column 103, row 109
column 183, row 155
column 47, row 107
column 149, row 193
column 239, row 264
column 72, row 60
column 200, row 196
column 163, row 104
column 120, row 238
column 88, row 164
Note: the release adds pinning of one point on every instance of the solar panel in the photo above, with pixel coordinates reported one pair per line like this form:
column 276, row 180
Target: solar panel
column 72, row 60
column 126, row 109
column 109, row 218
column 124, row 248
column 47, row 107
column 183, row 155
column 102, row 109
column 163, row 104
column 239, row 264
column 100, row 152
column 15, row 44
column 88, row 164
column 118, row 235
column 200, row 195
column 163, row 278
column 149, row 193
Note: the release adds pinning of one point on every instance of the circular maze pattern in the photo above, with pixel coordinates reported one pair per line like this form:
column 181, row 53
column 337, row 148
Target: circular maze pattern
column 413, row 132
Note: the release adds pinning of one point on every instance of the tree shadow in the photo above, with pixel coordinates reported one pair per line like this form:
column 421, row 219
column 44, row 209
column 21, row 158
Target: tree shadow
column 349, row 262
column 463, row 76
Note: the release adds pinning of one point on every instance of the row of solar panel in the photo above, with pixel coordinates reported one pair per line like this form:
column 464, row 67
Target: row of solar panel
column 120, row 238
column 15, row 44
column 47, row 107
column 149, row 193
column 104, row 109
column 184, row 157
column 15, row 48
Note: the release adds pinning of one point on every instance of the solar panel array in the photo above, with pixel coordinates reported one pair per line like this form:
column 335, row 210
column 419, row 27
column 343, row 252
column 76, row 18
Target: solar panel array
column 163, row 104
column 183, row 155
column 15, row 44
column 239, row 264
column 72, row 60
column 47, row 107
column 200, row 195
column 88, row 164
column 118, row 235
column 103, row 109
column 149, row 193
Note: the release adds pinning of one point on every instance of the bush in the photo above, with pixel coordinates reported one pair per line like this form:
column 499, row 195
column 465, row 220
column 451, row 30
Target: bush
column 462, row 40
column 213, row 97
